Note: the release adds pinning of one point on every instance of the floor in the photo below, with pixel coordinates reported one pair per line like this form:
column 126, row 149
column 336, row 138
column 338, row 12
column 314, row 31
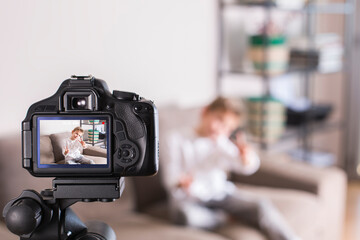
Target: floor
column 352, row 219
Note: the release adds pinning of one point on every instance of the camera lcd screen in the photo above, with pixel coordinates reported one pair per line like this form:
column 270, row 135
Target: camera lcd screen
column 72, row 142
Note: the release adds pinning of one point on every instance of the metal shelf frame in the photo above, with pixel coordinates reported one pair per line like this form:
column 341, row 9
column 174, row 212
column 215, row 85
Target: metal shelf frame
column 311, row 10
column 93, row 124
column 313, row 7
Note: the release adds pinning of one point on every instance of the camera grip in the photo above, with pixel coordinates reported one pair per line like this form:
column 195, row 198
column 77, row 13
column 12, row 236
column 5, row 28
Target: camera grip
column 134, row 126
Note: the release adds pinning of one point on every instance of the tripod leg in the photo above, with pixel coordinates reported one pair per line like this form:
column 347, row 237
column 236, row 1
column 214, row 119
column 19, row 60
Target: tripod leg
column 98, row 231
column 72, row 224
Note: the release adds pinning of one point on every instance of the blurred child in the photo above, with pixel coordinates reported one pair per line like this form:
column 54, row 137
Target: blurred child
column 195, row 168
column 73, row 148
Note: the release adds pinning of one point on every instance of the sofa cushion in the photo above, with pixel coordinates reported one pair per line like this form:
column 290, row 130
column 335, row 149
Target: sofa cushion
column 97, row 160
column 234, row 230
column 46, row 150
column 139, row 226
column 58, row 141
column 95, row 151
column 302, row 210
column 239, row 231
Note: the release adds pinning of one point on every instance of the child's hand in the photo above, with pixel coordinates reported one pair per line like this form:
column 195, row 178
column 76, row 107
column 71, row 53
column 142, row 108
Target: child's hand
column 81, row 141
column 185, row 182
column 243, row 146
column 66, row 150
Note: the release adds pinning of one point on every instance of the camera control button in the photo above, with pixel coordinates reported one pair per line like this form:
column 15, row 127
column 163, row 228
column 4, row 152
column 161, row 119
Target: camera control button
column 128, row 146
column 125, row 95
column 125, row 153
column 126, row 160
column 120, row 136
column 119, row 127
column 138, row 108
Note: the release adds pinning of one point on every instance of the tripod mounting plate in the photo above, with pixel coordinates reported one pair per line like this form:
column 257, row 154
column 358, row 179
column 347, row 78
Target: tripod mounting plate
column 101, row 189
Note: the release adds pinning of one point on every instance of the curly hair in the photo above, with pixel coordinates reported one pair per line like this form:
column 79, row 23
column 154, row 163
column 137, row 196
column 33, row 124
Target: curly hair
column 78, row 129
column 222, row 104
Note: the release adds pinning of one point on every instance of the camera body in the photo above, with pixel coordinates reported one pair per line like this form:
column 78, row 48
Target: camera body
column 119, row 129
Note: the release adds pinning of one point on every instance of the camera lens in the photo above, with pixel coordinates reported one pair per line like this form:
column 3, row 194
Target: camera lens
column 79, row 103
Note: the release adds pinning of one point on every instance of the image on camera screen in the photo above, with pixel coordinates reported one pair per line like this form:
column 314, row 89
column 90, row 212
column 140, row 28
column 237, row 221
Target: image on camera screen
column 69, row 142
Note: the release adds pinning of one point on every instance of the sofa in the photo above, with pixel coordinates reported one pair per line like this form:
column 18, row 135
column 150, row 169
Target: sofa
column 51, row 147
column 311, row 199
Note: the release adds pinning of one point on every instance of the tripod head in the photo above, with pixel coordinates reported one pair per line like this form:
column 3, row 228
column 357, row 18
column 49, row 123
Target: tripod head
column 34, row 216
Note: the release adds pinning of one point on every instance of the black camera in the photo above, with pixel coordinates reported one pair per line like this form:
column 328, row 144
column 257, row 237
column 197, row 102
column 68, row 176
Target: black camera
column 85, row 130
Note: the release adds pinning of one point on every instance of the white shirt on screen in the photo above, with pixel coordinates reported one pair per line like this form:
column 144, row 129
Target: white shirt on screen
column 75, row 149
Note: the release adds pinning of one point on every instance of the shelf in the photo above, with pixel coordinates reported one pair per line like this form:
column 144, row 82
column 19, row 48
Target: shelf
column 249, row 3
column 330, row 8
column 292, row 69
column 319, row 8
column 289, row 140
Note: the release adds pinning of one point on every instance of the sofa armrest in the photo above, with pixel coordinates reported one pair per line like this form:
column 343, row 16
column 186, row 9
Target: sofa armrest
column 95, row 151
column 328, row 184
column 281, row 171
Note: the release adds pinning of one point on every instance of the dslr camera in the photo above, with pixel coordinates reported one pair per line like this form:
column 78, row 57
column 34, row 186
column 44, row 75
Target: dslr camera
column 89, row 139
column 118, row 132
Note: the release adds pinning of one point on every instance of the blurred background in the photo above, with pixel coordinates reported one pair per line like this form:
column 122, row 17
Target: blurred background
column 295, row 63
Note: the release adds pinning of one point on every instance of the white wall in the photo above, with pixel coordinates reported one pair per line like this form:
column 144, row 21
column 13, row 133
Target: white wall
column 162, row 49
column 48, row 127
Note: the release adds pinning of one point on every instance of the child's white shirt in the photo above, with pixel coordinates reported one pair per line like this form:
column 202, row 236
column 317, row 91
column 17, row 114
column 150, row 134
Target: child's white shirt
column 75, row 149
column 207, row 161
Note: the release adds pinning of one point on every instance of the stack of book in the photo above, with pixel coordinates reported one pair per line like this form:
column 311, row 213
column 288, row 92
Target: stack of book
column 325, row 53
column 93, row 135
column 266, row 119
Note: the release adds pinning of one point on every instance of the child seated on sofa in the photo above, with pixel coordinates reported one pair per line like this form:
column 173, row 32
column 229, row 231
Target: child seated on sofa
column 73, row 148
column 195, row 167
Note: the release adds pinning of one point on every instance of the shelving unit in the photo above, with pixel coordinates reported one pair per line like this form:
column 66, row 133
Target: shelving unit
column 301, row 136
column 93, row 125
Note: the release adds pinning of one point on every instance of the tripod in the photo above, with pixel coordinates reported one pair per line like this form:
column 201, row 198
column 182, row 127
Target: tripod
column 47, row 216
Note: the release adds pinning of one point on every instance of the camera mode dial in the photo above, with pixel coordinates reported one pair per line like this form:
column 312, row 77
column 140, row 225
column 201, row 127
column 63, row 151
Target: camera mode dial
column 126, row 95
